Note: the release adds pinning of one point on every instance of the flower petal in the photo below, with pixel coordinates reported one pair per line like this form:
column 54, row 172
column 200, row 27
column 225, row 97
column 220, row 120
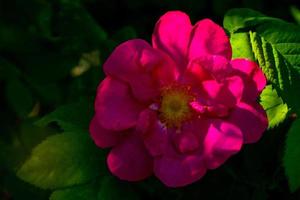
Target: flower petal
column 235, row 86
column 194, row 75
column 176, row 170
column 171, row 34
column 138, row 64
column 215, row 110
column 130, row 161
column 186, row 142
column 156, row 139
column 253, row 78
column 189, row 138
column 206, row 68
column 153, row 132
column 251, row 119
column 115, row 108
column 222, row 141
column 217, row 66
column 102, row 137
column 208, row 38
column 228, row 92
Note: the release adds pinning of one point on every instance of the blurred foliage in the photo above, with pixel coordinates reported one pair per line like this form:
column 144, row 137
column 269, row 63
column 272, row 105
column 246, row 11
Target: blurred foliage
column 51, row 54
column 296, row 13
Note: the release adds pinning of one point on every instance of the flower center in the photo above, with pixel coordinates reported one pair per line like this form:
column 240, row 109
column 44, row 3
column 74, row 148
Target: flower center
column 174, row 107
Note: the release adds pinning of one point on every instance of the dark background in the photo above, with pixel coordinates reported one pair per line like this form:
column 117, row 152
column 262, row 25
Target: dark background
column 42, row 41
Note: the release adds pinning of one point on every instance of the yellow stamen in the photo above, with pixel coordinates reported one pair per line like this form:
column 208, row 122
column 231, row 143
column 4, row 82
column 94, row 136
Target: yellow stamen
column 175, row 108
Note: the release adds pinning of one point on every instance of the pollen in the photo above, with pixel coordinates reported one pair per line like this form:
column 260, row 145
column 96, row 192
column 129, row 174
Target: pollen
column 174, row 107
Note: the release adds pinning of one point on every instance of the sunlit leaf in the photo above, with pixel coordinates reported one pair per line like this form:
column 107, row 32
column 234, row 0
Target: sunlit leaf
column 241, row 46
column 274, row 106
column 62, row 160
column 276, row 47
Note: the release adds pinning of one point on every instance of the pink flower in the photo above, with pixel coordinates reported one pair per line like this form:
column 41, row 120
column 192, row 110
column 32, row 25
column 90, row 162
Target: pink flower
column 179, row 107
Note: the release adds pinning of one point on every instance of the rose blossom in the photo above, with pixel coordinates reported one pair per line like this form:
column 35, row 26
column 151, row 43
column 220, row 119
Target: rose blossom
column 178, row 107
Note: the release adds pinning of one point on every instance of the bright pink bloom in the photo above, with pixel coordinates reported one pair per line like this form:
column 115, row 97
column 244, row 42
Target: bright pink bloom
column 178, row 107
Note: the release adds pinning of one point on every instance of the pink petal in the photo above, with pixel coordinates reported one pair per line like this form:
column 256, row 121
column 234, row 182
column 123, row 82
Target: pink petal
column 190, row 136
column 198, row 107
column 171, row 34
column 102, row 137
column 235, row 86
column 137, row 63
column 130, row 161
column 115, row 107
column 153, row 132
column 228, row 92
column 194, row 75
column 212, row 88
column 206, row 68
column 208, row 38
column 176, row 170
column 146, row 119
column 217, row 66
column 251, row 119
column 253, row 77
column 156, row 139
column 166, row 71
column 222, row 141
column 215, row 110
column 187, row 142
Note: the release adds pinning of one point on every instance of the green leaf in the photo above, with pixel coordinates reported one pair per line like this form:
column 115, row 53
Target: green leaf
column 82, row 192
column 241, row 18
column 241, row 46
column 276, row 47
column 274, row 106
column 112, row 189
column 268, row 60
column 62, row 160
column 19, row 97
column 291, row 159
column 71, row 117
column 20, row 143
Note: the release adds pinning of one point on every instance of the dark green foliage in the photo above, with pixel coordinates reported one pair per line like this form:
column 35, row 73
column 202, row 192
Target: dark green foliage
column 51, row 53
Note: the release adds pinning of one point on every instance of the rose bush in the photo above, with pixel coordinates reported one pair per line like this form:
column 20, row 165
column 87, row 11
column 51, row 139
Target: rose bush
column 179, row 107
